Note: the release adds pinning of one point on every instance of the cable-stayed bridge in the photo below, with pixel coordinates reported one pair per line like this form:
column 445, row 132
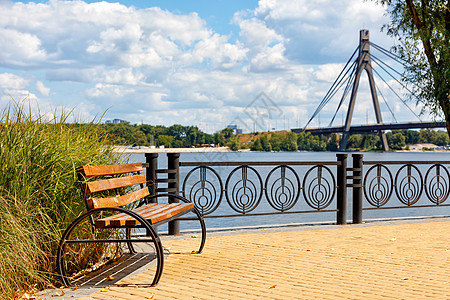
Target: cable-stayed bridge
column 350, row 78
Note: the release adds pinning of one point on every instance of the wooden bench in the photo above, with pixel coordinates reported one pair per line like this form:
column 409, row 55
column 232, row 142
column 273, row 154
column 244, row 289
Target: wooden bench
column 106, row 190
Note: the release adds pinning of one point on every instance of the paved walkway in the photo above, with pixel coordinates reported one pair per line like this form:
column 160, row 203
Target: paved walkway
column 406, row 261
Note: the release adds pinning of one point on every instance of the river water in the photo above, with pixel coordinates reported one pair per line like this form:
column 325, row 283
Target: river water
column 304, row 218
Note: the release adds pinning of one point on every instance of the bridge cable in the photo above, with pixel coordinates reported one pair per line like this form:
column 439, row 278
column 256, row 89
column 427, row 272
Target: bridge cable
column 404, row 102
column 392, row 55
column 385, row 102
column 398, row 59
column 398, row 81
column 379, row 60
column 334, row 88
column 344, row 95
column 342, row 82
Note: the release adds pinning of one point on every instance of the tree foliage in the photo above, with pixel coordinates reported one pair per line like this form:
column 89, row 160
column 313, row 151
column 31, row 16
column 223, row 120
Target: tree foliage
column 422, row 29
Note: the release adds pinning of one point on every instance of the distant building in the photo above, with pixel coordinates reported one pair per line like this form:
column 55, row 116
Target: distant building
column 235, row 128
column 116, row 121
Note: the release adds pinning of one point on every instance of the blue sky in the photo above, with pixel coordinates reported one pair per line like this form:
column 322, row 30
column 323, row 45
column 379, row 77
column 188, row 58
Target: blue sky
column 187, row 62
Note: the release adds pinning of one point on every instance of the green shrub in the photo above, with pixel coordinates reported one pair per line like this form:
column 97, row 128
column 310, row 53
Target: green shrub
column 39, row 194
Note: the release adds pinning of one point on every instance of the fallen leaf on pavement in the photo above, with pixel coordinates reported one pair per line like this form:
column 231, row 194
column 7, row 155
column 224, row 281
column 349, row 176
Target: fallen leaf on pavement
column 57, row 294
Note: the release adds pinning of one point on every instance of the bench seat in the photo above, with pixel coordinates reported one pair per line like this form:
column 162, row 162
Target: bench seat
column 155, row 214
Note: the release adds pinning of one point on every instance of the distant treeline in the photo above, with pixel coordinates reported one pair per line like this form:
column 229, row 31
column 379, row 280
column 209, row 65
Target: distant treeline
column 397, row 139
column 178, row 136
column 175, row 136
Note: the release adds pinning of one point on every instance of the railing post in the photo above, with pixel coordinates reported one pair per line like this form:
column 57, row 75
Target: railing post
column 341, row 189
column 173, row 164
column 152, row 160
column 357, row 188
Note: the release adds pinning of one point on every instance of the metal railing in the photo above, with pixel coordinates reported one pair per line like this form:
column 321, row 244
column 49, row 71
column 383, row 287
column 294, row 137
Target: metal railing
column 231, row 189
column 401, row 184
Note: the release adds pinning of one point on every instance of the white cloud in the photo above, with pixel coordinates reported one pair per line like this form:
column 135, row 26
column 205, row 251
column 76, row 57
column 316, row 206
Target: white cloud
column 40, row 87
column 20, row 48
column 328, row 72
column 162, row 67
column 12, row 81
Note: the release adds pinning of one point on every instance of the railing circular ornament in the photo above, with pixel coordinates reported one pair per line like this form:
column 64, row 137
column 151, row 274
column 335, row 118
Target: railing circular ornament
column 204, row 193
column 409, row 187
column 246, row 192
column 283, row 193
column 319, row 191
column 378, row 189
column 437, row 184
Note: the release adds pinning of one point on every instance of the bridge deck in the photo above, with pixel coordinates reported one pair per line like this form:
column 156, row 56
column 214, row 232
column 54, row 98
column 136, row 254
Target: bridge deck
column 371, row 128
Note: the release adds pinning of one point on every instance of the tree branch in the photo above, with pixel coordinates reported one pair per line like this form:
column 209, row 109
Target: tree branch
column 424, row 36
column 447, row 21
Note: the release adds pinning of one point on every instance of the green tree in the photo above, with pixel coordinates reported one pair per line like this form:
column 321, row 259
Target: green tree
column 165, row 140
column 441, row 139
column 265, row 143
column 227, row 133
column 276, row 140
column 370, row 141
column 256, row 145
column 411, row 136
column 333, row 144
column 354, row 141
column 233, row 143
column 139, row 138
column 290, row 142
column 396, row 140
column 423, row 31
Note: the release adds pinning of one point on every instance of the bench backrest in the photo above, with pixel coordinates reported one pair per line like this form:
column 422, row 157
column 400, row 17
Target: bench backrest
column 89, row 188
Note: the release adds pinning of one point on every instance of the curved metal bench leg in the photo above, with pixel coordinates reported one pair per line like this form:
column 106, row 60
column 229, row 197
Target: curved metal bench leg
column 60, row 260
column 203, row 226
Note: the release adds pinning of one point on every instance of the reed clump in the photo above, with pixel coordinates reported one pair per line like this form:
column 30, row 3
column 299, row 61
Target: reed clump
column 39, row 194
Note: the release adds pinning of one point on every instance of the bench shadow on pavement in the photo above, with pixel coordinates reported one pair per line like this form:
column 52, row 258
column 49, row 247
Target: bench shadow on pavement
column 127, row 266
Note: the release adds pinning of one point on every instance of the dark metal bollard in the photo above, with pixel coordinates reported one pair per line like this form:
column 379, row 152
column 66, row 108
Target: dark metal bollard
column 152, row 160
column 341, row 189
column 357, row 187
column 173, row 165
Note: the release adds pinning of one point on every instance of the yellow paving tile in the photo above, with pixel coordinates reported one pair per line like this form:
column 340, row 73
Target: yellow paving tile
column 408, row 261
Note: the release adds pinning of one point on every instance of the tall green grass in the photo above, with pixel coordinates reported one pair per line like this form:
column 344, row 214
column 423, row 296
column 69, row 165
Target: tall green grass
column 39, row 194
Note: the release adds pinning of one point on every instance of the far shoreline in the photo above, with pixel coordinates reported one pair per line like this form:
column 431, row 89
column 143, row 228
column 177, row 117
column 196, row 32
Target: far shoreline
column 417, row 148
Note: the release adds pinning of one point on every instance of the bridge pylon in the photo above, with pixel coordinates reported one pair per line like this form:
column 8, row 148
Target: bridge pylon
column 363, row 63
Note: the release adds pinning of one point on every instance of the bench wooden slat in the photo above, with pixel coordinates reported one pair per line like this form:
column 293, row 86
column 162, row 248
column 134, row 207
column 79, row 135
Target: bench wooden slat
column 113, row 183
column 122, row 218
column 179, row 208
column 105, row 221
column 127, row 220
column 107, row 170
column 152, row 212
column 118, row 200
